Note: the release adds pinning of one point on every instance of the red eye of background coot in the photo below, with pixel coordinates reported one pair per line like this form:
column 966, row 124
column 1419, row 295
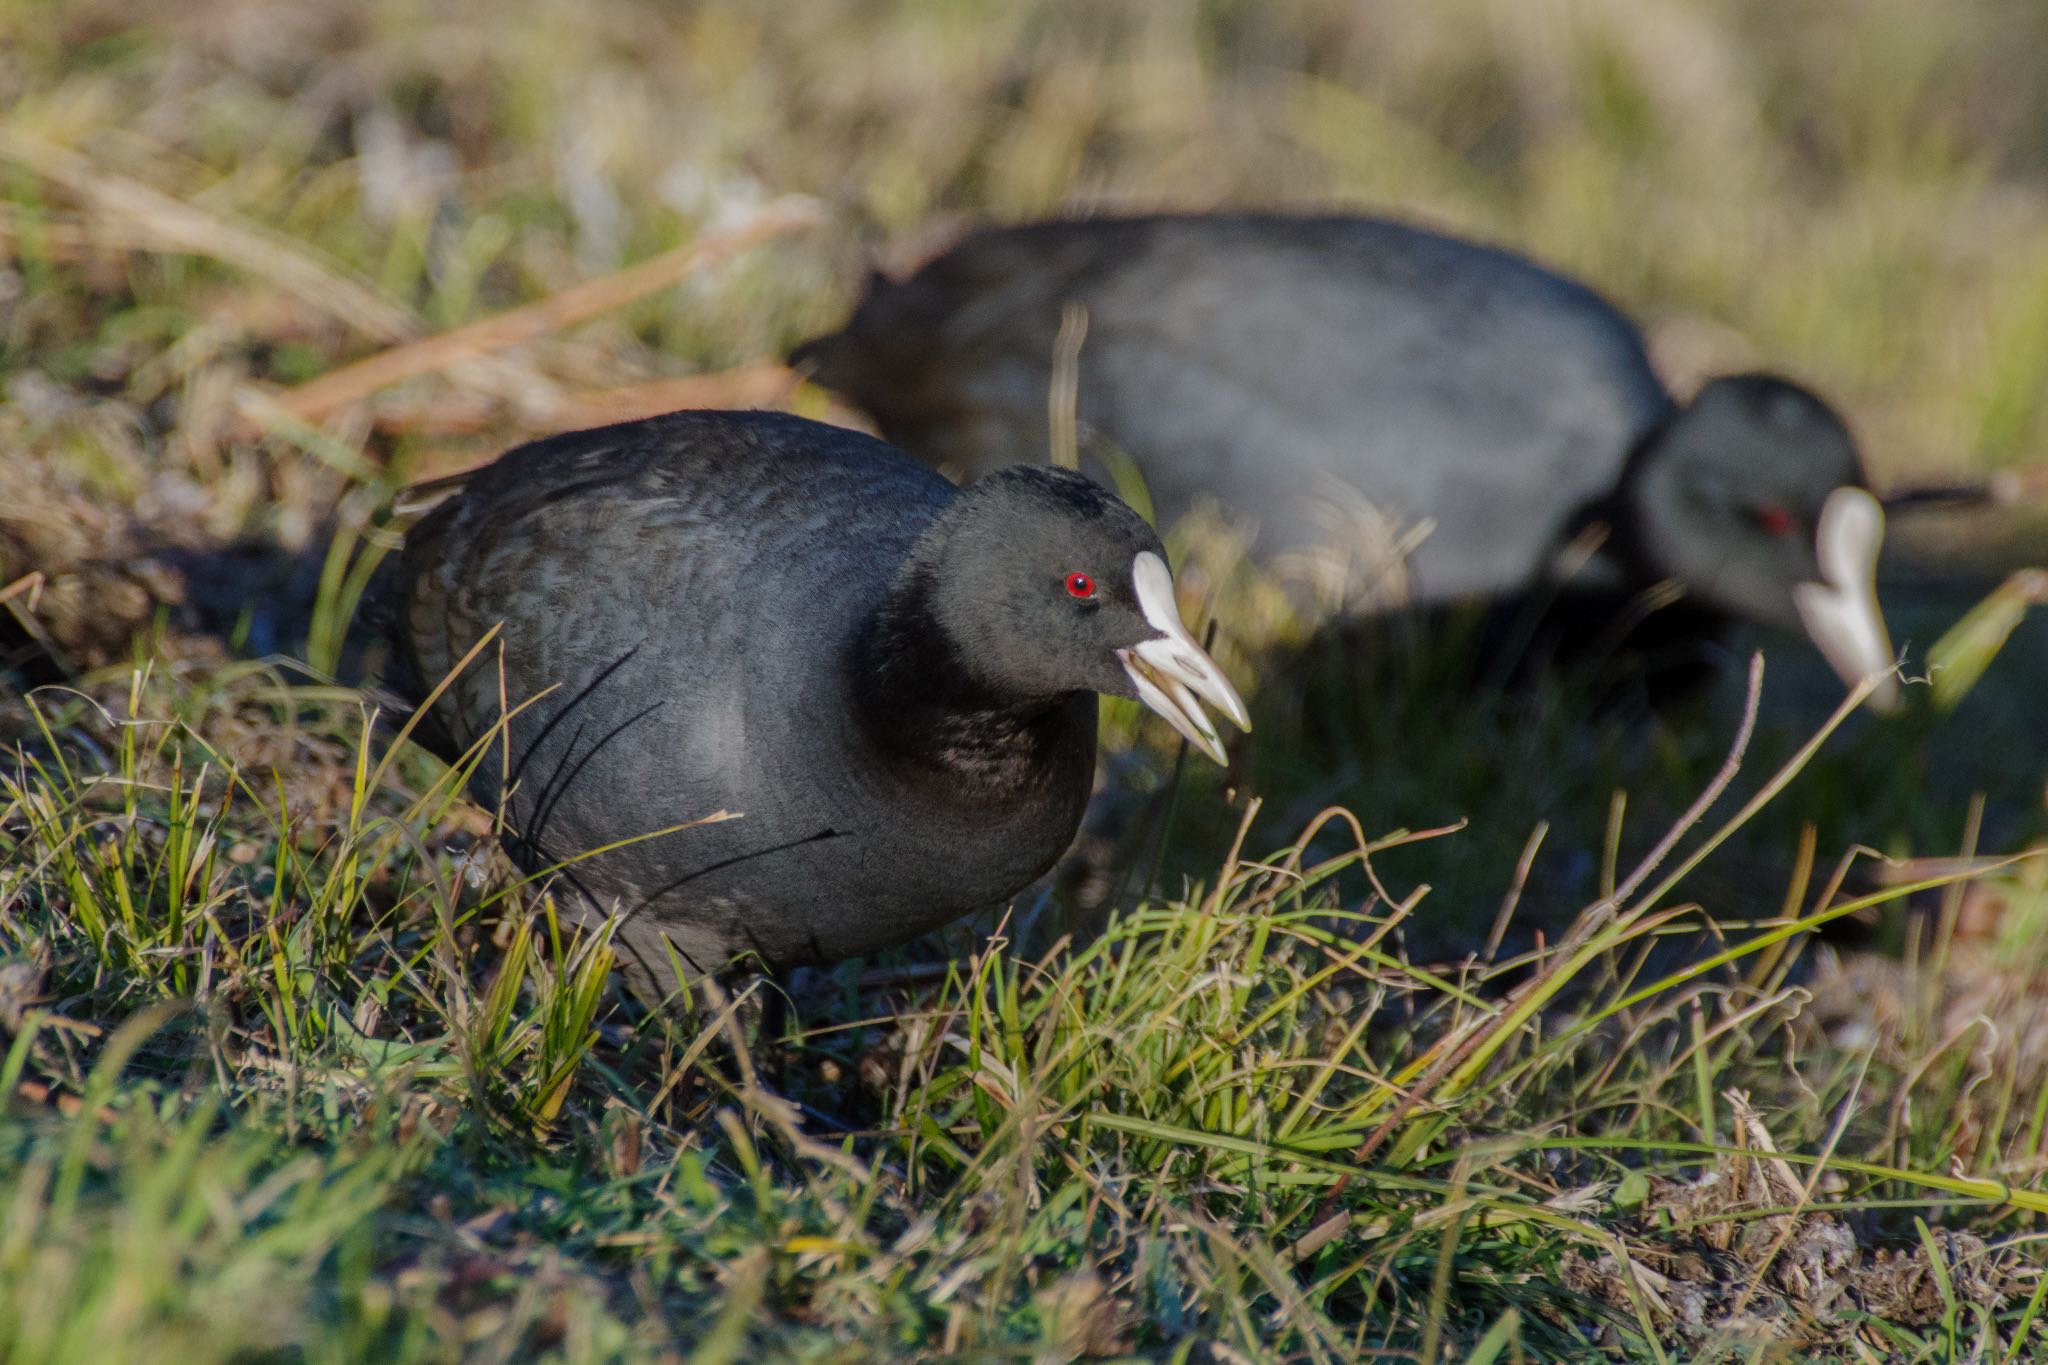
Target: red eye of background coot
column 1774, row 520
column 1080, row 585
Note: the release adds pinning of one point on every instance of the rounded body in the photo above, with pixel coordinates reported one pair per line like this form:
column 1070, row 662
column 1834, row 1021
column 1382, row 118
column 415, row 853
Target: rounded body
column 681, row 604
column 1295, row 369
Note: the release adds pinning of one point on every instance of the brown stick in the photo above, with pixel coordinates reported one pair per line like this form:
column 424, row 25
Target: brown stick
column 2005, row 488
column 315, row 399
column 762, row 385
column 150, row 218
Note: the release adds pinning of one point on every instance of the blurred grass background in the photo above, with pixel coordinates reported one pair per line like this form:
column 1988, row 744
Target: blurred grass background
column 205, row 204
column 1854, row 192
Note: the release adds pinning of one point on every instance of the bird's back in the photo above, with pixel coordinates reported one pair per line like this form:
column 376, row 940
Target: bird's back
column 655, row 539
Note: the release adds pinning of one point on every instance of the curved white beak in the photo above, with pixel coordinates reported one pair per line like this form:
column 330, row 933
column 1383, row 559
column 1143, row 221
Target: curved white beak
column 1173, row 674
column 1840, row 611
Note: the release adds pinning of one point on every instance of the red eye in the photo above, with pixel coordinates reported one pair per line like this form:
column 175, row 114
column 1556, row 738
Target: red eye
column 1080, row 585
column 1774, row 520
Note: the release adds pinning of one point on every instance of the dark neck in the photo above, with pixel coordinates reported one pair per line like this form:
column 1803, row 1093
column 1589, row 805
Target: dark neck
column 922, row 706
column 1617, row 511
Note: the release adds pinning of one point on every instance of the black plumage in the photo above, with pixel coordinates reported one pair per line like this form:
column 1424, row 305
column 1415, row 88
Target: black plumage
column 886, row 678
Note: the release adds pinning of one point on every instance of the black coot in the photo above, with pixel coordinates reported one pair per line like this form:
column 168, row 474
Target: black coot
column 888, row 678
column 1285, row 364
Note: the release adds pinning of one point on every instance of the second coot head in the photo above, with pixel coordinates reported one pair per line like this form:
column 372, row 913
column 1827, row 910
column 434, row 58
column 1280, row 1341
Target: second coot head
column 1752, row 495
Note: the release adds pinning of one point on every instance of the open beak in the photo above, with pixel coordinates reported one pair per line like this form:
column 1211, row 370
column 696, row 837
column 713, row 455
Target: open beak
column 1173, row 674
column 1840, row 611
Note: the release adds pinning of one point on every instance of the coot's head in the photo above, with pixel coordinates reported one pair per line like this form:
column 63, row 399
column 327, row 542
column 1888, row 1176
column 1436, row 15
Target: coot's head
column 1045, row 584
column 1753, row 498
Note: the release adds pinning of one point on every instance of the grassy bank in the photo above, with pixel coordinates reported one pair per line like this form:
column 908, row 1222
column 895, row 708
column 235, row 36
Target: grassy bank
column 1436, row 1030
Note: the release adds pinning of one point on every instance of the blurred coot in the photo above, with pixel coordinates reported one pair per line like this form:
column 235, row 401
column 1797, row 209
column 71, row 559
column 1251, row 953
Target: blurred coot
column 1286, row 365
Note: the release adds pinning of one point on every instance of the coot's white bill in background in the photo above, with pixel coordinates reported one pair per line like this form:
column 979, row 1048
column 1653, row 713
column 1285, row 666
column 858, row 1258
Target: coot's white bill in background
column 1841, row 610
column 890, row 679
column 1263, row 359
